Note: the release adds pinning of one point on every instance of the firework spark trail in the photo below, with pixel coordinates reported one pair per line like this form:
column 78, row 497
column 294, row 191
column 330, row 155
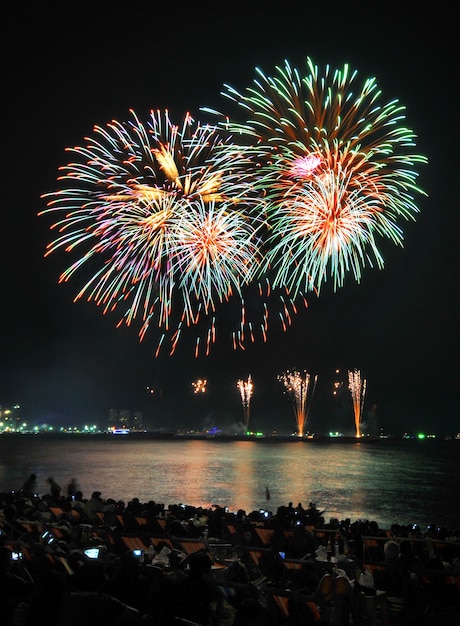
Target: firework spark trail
column 357, row 387
column 337, row 168
column 297, row 385
column 246, row 389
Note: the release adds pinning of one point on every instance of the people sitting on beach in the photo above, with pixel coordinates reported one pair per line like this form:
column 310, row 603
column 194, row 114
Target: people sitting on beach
column 156, row 586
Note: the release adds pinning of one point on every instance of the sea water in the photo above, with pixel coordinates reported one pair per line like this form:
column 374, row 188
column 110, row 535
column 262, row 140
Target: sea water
column 389, row 481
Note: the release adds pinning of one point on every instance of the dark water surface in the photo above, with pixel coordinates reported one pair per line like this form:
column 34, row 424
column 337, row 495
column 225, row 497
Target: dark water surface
column 387, row 481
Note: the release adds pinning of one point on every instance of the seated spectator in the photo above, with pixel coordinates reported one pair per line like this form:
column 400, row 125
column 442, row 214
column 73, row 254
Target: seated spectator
column 408, row 560
column 189, row 594
column 15, row 585
column 93, row 506
column 401, row 589
column 48, row 591
column 130, row 582
column 89, row 603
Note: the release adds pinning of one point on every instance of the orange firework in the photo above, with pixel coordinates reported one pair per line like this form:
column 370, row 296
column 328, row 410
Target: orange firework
column 297, row 386
column 199, row 386
column 246, row 388
column 357, row 387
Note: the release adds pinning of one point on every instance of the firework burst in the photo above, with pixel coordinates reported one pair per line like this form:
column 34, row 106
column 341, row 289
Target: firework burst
column 297, row 386
column 166, row 216
column 199, row 386
column 337, row 169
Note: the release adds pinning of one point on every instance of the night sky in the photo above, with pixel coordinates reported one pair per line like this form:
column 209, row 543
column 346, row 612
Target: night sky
column 63, row 72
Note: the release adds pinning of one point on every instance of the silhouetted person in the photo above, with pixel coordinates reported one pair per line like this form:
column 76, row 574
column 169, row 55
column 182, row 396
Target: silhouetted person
column 396, row 580
column 45, row 602
column 72, row 488
column 55, row 489
column 187, row 594
column 89, row 603
column 14, row 587
column 93, row 506
column 29, row 488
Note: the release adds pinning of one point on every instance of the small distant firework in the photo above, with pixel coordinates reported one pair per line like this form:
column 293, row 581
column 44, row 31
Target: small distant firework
column 199, row 386
column 337, row 385
column 297, row 386
column 336, row 167
column 357, row 387
column 246, row 389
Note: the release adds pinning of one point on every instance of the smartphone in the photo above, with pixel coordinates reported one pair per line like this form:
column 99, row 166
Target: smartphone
column 17, row 556
column 282, row 554
column 48, row 537
column 139, row 554
column 92, row 553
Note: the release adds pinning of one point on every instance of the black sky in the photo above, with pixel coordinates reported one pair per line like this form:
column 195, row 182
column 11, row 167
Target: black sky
column 66, row 70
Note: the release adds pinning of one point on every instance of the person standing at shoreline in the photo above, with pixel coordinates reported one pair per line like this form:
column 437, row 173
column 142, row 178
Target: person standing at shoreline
column 72, row 488
column 55, row 489
column 29, row 488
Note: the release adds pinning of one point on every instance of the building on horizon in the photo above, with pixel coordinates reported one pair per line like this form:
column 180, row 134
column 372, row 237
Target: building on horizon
column 10, row 418
column 126, row 419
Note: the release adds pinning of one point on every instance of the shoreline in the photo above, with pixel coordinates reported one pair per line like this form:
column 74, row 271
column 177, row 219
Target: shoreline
column 223, row 437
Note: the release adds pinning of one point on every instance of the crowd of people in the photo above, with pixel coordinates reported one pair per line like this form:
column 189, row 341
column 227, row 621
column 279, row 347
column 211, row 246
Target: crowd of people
column 181, row 564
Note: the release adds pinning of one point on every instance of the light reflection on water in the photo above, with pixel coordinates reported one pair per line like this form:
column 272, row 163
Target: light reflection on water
column 404, row 482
